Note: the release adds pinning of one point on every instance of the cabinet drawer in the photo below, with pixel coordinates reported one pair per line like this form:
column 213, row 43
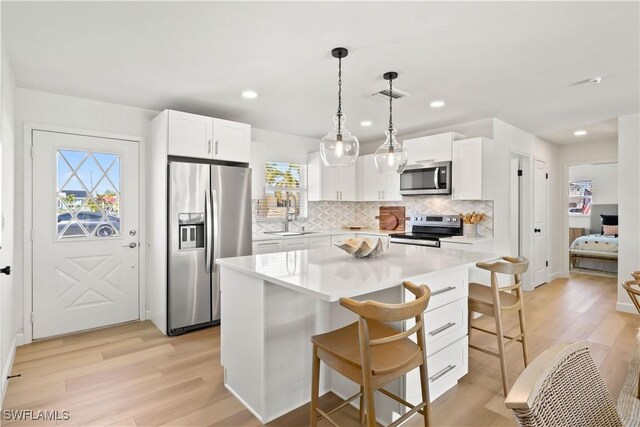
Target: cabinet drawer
column 445, row 288
column 444, row 325
column 267, row 246
column 319, row 242
column 296, row 244
column 444, row 369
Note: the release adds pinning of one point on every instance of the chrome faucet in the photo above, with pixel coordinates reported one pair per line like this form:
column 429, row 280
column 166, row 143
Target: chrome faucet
column 291, row 213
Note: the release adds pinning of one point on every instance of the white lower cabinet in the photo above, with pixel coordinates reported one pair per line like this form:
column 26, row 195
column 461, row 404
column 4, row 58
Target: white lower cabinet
column 267, row 246
column 444, row 369
column 446, row 329
column 319, row 242
column 297, row 244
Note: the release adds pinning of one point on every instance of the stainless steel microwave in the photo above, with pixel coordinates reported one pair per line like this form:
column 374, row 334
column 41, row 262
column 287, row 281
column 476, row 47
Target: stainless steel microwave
column 426, row 178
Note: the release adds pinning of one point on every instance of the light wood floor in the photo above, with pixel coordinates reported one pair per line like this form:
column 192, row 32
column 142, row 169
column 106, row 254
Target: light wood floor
column 132, row 375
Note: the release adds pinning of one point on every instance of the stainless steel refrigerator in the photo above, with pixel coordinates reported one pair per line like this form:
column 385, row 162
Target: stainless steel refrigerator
column 209, row 218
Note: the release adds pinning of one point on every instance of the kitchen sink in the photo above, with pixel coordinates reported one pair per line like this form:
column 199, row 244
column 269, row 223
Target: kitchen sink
column 290, row 233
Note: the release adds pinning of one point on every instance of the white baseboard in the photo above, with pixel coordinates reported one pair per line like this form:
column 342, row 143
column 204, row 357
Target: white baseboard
column 147, row 315
column 556, row 275
column 626, row 307
column 19, row 339
column 6, row 369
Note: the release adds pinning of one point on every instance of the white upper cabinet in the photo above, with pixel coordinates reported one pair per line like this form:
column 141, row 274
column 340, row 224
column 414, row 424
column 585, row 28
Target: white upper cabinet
column 325, row 183
column 231, row 141
column 469, row 167
column 432, row 148
column 192, row 135
column 373, row 186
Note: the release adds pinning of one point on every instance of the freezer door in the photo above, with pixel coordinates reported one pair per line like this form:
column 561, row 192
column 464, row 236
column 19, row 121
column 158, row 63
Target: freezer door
column 231, row 198
column 189, row 286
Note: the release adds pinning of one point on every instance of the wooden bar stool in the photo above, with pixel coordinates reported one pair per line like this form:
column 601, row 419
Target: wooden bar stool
column 372, row 354
column 494, row 300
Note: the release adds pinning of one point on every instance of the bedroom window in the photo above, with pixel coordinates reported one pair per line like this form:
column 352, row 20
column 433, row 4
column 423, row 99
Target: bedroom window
column 580, row 197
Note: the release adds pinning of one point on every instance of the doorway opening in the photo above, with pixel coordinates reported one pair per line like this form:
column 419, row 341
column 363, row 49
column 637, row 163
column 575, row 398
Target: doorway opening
column 592, row 218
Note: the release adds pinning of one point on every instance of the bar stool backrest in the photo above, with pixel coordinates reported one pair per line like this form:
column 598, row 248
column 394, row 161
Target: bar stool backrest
column 388, row 313
column 514, row 266
column 633, row 289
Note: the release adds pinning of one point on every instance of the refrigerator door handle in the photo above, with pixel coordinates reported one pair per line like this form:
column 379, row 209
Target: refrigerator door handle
column 216, row 228
column 208, row 229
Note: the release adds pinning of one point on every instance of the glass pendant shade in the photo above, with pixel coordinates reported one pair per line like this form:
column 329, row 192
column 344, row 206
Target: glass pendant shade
column 339, row 148
column 391, row 157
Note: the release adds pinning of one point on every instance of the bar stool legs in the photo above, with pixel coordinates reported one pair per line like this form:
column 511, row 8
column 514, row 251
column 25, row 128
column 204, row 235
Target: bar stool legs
column 315, row 388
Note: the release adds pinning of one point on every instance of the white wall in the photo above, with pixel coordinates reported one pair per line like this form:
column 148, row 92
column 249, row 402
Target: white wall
column 511, row 141
column 604, row 181
column 628, row 204
column 8, row 284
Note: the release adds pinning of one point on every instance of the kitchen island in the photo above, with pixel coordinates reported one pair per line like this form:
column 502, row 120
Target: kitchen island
column 273, row 303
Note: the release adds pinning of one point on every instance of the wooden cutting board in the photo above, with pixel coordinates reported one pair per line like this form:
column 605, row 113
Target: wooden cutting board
column 391, row 218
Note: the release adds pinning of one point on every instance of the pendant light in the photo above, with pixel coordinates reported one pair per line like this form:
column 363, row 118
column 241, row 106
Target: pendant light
column 391, row 156
column 339, row 148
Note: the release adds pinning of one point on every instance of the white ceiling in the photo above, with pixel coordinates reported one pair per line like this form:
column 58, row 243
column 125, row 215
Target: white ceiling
column 515, row 61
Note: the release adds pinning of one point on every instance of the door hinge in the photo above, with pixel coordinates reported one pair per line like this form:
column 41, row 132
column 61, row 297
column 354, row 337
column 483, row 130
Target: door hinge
column 547, row 263
column 519, row 172
column 32, row 317
column 546, row 175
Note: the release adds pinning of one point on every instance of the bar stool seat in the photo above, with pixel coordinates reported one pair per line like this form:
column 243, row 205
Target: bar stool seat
column 343, row 343
column 481, row 294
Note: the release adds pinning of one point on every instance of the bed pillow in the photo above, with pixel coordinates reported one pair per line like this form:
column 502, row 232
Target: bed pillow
column 610, row 230
column 609, row 219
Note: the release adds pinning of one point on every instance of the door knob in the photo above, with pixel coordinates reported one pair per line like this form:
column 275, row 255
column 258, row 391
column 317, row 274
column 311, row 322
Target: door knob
column 6, row 270
column 131, row 245
column 536, row 230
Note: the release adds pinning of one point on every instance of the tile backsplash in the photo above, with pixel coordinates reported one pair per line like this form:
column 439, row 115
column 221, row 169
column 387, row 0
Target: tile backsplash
column 332, row 215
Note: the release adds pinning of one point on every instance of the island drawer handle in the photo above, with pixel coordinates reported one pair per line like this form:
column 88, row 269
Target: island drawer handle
column 442, row 373
column 443, row 290
column 268, row 244
column 442, row 328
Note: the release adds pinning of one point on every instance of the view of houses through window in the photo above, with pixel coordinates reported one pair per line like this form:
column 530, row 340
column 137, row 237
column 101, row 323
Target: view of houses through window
column 88, row 194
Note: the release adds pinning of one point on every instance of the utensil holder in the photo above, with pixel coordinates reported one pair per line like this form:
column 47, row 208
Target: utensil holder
column 470, row 230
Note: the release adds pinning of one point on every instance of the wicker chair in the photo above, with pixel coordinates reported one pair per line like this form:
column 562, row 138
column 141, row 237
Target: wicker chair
column 562, row 387
column 633, row 289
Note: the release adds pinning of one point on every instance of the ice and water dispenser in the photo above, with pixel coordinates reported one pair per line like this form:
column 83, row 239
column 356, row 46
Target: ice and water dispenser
column 191, row 230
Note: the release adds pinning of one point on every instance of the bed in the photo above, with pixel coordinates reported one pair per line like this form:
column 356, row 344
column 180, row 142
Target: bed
column 598, row 251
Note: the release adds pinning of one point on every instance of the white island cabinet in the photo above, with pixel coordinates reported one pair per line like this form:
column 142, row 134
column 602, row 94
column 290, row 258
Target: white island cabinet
column 273, row 303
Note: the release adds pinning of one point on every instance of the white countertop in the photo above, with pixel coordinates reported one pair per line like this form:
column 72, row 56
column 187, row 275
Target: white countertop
column 330, row 274
column 319, row 233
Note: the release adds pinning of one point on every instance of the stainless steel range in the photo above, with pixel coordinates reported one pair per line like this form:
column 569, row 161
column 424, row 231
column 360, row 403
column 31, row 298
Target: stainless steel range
column 427, row 230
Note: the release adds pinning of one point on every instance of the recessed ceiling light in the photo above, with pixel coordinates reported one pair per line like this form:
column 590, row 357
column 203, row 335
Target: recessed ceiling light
column 365, row 123
column 249, row 94
column 580, row 133
column 437, row 104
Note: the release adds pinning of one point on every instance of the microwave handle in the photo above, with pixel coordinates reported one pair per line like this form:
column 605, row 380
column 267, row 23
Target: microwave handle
column 436, row 173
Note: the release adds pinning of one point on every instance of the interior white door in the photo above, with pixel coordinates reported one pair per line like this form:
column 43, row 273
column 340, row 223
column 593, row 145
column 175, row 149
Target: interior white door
column 85, row 232
column 540, row 223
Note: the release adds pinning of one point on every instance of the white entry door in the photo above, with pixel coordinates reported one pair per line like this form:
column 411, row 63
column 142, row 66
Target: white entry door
column 85, row 232
column 540, row 223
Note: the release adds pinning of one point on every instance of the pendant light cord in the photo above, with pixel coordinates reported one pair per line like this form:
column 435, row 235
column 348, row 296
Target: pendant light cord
column 339, row 94
column 390, row 104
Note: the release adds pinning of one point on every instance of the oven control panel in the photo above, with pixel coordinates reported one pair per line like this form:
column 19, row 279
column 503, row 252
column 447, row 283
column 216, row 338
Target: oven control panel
column 435, row 220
